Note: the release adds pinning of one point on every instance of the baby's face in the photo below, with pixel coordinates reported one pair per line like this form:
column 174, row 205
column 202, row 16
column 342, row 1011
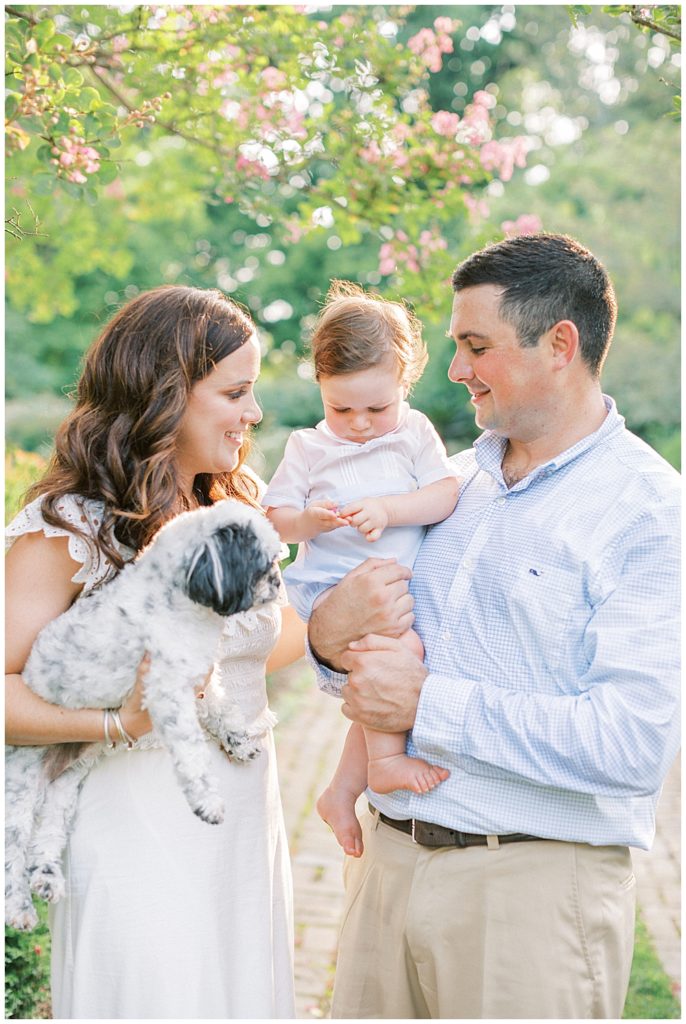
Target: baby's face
column 362, row 405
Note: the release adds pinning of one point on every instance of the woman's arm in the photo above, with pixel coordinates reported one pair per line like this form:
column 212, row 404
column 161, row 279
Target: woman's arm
column 291, row 643
column 39, row 587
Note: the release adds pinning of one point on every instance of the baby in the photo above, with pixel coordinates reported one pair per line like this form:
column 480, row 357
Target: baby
column 373, row 470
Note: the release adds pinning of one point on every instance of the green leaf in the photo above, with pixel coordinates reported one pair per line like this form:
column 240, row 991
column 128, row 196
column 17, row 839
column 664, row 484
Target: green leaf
column 12, row 101
column 71, row 188
column 90, row 98
column 65, row 42
column 107, row 173
column 73, row 78
column 44, row 154
column 44, row 31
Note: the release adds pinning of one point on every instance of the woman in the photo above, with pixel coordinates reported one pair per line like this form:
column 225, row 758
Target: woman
column 165, row 916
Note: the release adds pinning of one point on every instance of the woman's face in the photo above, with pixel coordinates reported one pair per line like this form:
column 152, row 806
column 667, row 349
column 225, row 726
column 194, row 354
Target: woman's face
column 220, row 409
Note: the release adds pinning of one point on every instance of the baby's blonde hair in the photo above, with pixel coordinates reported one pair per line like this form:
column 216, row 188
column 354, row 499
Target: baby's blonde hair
column 356, row 330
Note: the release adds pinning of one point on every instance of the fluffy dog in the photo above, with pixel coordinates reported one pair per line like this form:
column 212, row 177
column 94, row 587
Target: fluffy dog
column 171, row 601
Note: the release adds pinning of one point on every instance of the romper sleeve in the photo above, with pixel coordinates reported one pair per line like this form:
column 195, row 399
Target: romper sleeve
column 284, row 552
column 86, row 515
column 290, row 484
column 432, row 461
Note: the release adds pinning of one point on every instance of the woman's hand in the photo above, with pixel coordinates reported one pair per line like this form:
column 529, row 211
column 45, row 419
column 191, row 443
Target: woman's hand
column 134, row 718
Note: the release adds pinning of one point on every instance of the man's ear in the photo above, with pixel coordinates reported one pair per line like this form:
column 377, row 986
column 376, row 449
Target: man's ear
column 564, row 343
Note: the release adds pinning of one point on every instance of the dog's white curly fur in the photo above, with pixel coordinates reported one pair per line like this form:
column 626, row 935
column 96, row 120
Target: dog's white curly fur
column 172, row 602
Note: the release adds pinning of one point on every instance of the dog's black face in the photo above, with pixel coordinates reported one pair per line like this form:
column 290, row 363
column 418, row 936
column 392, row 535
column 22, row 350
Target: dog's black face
column 232, row 572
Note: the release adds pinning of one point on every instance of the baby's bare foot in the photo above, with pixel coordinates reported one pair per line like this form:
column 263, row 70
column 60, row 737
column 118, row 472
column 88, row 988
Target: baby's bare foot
column 398, row 771
column 337, row 809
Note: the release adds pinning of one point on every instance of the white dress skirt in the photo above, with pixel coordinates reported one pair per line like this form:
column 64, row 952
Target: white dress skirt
column 165, row 916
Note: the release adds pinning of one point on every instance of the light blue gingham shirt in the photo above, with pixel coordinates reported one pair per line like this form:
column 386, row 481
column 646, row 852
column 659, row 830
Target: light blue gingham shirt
column 549, row 613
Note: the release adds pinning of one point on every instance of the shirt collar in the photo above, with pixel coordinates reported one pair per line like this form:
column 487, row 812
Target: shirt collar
column 324, row 428
column 489, row 448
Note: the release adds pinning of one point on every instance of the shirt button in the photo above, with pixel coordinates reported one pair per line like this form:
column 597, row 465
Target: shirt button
column 447, row 634
column 500, row 501
column 468, row 563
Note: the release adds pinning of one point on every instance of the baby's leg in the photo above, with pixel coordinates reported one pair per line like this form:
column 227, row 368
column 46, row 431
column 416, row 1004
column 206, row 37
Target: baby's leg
column 336, row 805
column 390, row 768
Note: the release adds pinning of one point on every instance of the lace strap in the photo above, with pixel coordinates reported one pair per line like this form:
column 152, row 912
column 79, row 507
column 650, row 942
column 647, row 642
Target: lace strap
column 83, row 513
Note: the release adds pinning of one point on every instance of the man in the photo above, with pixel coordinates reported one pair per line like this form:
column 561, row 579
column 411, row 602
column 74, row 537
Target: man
column 548, row 608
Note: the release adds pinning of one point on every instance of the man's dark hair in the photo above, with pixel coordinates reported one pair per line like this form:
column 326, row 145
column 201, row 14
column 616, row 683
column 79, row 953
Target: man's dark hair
column 545, row 279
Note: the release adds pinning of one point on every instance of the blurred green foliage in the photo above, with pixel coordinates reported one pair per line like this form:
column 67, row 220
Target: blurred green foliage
column 594, row 101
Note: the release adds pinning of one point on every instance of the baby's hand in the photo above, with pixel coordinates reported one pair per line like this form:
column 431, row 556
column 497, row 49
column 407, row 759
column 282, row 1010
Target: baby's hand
column 368, row 515
column 322, row 517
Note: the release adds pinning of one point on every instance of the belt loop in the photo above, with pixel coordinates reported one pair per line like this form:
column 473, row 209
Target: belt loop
column 412, row 833
column 492, row 842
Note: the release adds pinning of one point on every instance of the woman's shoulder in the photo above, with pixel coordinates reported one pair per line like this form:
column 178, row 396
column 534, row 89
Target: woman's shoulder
column 84, row 515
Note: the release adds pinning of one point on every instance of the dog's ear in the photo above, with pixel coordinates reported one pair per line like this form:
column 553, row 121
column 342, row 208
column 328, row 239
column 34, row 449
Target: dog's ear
column 224, row 569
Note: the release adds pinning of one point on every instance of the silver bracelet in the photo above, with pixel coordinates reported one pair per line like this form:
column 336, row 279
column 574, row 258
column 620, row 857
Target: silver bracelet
column 106, row 727
column 125, row 737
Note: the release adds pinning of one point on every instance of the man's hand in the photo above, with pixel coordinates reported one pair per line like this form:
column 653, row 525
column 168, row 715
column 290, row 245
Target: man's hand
column 384, row 683
column 368, row 515
column 372, row 598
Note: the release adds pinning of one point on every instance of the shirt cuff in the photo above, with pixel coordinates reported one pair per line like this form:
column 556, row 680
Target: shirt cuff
column 439, row 726
column 327, row 680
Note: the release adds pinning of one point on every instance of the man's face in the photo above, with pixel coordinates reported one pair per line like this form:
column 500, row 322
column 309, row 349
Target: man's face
column 510, row 386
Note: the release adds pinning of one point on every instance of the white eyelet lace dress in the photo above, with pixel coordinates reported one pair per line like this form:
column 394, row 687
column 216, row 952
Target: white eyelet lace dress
column 166, row 917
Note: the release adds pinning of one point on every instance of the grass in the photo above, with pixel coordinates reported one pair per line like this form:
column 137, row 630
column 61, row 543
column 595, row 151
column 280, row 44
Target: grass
column 651, row 995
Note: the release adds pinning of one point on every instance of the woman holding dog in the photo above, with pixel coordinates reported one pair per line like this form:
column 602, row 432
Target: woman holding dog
column 165, row 916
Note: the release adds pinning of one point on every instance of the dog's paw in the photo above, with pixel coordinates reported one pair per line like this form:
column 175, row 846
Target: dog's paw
column 47, row 881
column 23, row 918
column 240, row 746
column 211, row 810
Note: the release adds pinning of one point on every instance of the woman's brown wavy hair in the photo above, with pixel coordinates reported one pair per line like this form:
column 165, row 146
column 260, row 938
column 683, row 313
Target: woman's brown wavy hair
column 119, row 443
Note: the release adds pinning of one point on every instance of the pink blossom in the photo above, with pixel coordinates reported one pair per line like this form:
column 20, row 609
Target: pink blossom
column 445, row 123
column 253, row 168
column 504, row 156
column 445, row 25
column 428, row 47
column 477, row 208
column 74, row 160
column 273, row 78
column 526, row 224
column 484, row 99
column 225, row 77
column 371, row 153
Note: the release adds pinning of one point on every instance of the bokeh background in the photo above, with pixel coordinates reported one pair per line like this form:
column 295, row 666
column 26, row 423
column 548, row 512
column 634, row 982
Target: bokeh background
column 266, row 150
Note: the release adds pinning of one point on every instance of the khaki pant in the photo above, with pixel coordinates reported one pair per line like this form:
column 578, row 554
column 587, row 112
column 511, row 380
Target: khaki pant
column 540, row 930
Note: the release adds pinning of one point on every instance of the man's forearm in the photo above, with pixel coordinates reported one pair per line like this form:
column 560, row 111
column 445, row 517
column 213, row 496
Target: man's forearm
column 327, row 641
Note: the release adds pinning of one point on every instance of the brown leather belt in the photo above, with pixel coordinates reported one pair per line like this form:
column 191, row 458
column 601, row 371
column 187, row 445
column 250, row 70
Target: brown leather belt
column 427, row 834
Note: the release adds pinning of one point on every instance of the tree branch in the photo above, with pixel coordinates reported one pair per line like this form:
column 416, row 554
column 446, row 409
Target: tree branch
column 640, row 19
column 167, row 125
